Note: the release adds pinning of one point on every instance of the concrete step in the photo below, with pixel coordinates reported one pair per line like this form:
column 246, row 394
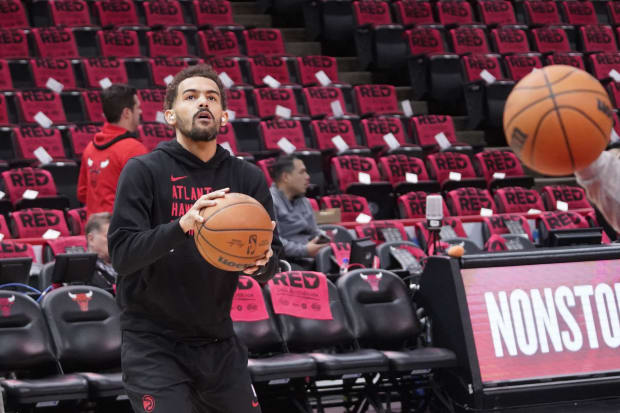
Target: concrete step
column 303, row 48
column 471, row 137
column 540, row 182
column 293, row 34
column 355, row 78
column 244, row 7
column 253, row 20
column 348, row 64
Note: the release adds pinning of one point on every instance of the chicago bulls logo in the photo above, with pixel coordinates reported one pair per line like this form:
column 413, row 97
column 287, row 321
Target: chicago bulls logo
column 372, row 280
column 82, row 299
column 148, row 402
column 5, row 305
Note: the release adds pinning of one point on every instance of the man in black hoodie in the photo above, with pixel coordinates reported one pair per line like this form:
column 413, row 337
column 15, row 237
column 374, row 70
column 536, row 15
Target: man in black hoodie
column 179, row 351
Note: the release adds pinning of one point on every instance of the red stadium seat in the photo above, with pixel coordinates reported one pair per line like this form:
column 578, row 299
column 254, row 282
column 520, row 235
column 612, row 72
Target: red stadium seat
column 520, row 65
column 33, row 223
column 69, row 13
column 454, row 12
column 230, row 66
column 99, row 68
column 613, row 9
column 6, row 83
column 80, row 136
column 151, row 134
column 212, row 12
column 351, row 206
column 469, row 201
column 116, row 13
column 17, row 181
column 501, row 168
column 346, row 170
column 475, row 64
column 373, row 230
column 4, row 114
column 376, row 99
column 309, row 66
column 325, row 130
column 238, row 101
column 424, row 41
column 167, row 43
column 573, row 196
column 227, row 137
column 218, row 43
column 163, row 13
column 29, row 138
column 31, row 102
column 496, row 225
column 13, row 249
column 413, row 205
column 542, row 12
column 375, row 130
column 443, row 166
column 570, row 59
column 510, row 39
column 559, row 220
column 263, row 41
column 469, row 40
column 13, row 44
column 55, row 42
column 319, row 99
column 371, row 12
column 550, row 39
column 151, row 102
column 64, row 245
column 579, row 12
column 266, row 165
column 274, row 66
column 162, row 67
column 515, row 200
column 413, row 12
column 13, row 16
column 4, row 230
column 267, row 100
column 119, row 43
column 272, row 131
column 61, row 70
column 92, row 104
column 598, row 38
column 496, row 12
column 603, row 63
column 426, row 129
column 396, row 167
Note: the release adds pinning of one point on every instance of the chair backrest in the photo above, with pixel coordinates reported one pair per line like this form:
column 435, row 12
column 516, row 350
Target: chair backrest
column 85, row 326
column 570, row 59
column 427, row 127
column 59, row 69
column 253, row 319
column 496, row 225
column 469, row 40
column 26, row 342
column 101, row 67
column 319, row 100
column 151, row 134
column 496, row 12
column 379, row 307
column 29, row 138
column 573, row 196
column 386, row 259
column 346, row 169
column 542, row 12
column 31, row 102
column 425, row 41
column 151, row 102
column 227, row 136
column 67, row 245
column 475, row 64
column 4, row 228
column 76, row 218
column 614, row 12
column 520, row 65
column 395, row 168
column 266, row 165
column 163, row 66
column 237, row 100
column 14, row 16
column 55, row 42
column 228, row 65
column 550, row 39
column 497, row 161
column 73, row 13
column 413, row 205
column 212, row 12
column 351, row 206
column 116, row 13
column 375, row 129
column 510, row 39
column 263, row 41
column 598, row 38
column 373, row 230
column 413, row 12
column 325, row 130
column 274, row 130
column 579, row 12
column 469, row 201
column 376, row 99
column 13, row 44
column 454, row 12
column 93, row 106
column 309, row 66
column 305, row 334
column 16, row 181
column 371, row 12
column 119, row 43
column 166, row 43
column 12, row 249
column 80, row 136
column 163, row 13
column 268, row 99
column 263, row 66
column 516, row 199
column 218, row 43
column 35, row 222
column 441, row 164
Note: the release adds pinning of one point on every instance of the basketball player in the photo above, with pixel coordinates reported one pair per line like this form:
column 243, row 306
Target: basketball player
column 601, row 180
column 179, row 350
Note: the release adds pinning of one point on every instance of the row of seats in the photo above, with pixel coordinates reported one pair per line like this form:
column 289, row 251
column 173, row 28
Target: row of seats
column 348, row 337
column 88, row 73
column 62, row 42
column 35, row 222
column 79, row 13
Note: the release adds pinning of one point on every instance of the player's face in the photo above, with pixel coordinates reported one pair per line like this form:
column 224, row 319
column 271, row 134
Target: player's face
column 198, row 109
column 299, row 179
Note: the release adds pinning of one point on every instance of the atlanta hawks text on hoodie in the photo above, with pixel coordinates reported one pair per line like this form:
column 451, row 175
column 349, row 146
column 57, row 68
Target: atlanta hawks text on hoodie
column 103, row 160
column 164, row 284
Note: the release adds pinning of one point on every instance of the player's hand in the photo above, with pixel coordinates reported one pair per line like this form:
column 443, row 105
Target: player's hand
column 192, row 216
column 261, row 261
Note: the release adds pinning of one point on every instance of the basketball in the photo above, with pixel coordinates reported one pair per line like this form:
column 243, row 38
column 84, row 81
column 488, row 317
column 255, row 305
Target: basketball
column 558, row 119
column 235, row 233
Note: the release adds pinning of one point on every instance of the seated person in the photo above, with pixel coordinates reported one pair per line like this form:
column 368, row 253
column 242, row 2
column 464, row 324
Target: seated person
column 297, row 227
column 97, row 242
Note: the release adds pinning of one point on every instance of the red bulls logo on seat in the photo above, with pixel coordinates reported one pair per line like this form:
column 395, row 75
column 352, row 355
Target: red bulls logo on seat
column 5, row 305
column 372, row 280
column 82, row 299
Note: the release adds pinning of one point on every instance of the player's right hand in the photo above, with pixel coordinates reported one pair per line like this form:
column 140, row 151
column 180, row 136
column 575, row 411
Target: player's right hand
column 192, row 217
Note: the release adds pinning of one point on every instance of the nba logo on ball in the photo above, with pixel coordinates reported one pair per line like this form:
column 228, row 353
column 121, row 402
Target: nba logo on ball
column 235, row 233
column 558, row 119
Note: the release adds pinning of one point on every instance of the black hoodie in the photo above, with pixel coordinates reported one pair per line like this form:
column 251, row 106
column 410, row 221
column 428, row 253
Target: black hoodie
column 164, row 284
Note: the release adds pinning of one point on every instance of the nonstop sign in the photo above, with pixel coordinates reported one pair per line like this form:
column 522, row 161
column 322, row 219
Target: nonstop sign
column 547, row 320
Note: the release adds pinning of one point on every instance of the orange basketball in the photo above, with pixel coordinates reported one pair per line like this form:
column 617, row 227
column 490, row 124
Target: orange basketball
column 235, row 233
column 558, row 119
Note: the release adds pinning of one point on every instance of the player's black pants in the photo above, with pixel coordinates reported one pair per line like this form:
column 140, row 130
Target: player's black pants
column 167, row 376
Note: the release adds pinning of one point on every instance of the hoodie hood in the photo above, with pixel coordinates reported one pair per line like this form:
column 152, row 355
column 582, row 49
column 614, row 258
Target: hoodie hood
column 110, row 134
column 182, row 155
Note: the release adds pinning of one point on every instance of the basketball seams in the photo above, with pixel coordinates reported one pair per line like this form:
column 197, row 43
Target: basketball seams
column 585, row 115
column 561, row 121
column 568, row 92
column 546, row 83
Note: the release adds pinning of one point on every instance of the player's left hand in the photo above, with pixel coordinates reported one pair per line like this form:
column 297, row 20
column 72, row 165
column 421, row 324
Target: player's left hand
column 262, row 261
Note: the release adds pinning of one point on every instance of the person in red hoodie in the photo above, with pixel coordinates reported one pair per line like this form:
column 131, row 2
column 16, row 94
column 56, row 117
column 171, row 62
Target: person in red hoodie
column 111, row 148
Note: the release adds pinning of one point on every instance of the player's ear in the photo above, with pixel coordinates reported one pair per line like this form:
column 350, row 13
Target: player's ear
column 224, row 118
column 170, row 116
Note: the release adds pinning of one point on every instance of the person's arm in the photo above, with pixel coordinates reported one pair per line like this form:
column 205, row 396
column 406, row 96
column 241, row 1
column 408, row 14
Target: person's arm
column 132, row 241
column 259, row 190
column 601, row 180
column 82, row 180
